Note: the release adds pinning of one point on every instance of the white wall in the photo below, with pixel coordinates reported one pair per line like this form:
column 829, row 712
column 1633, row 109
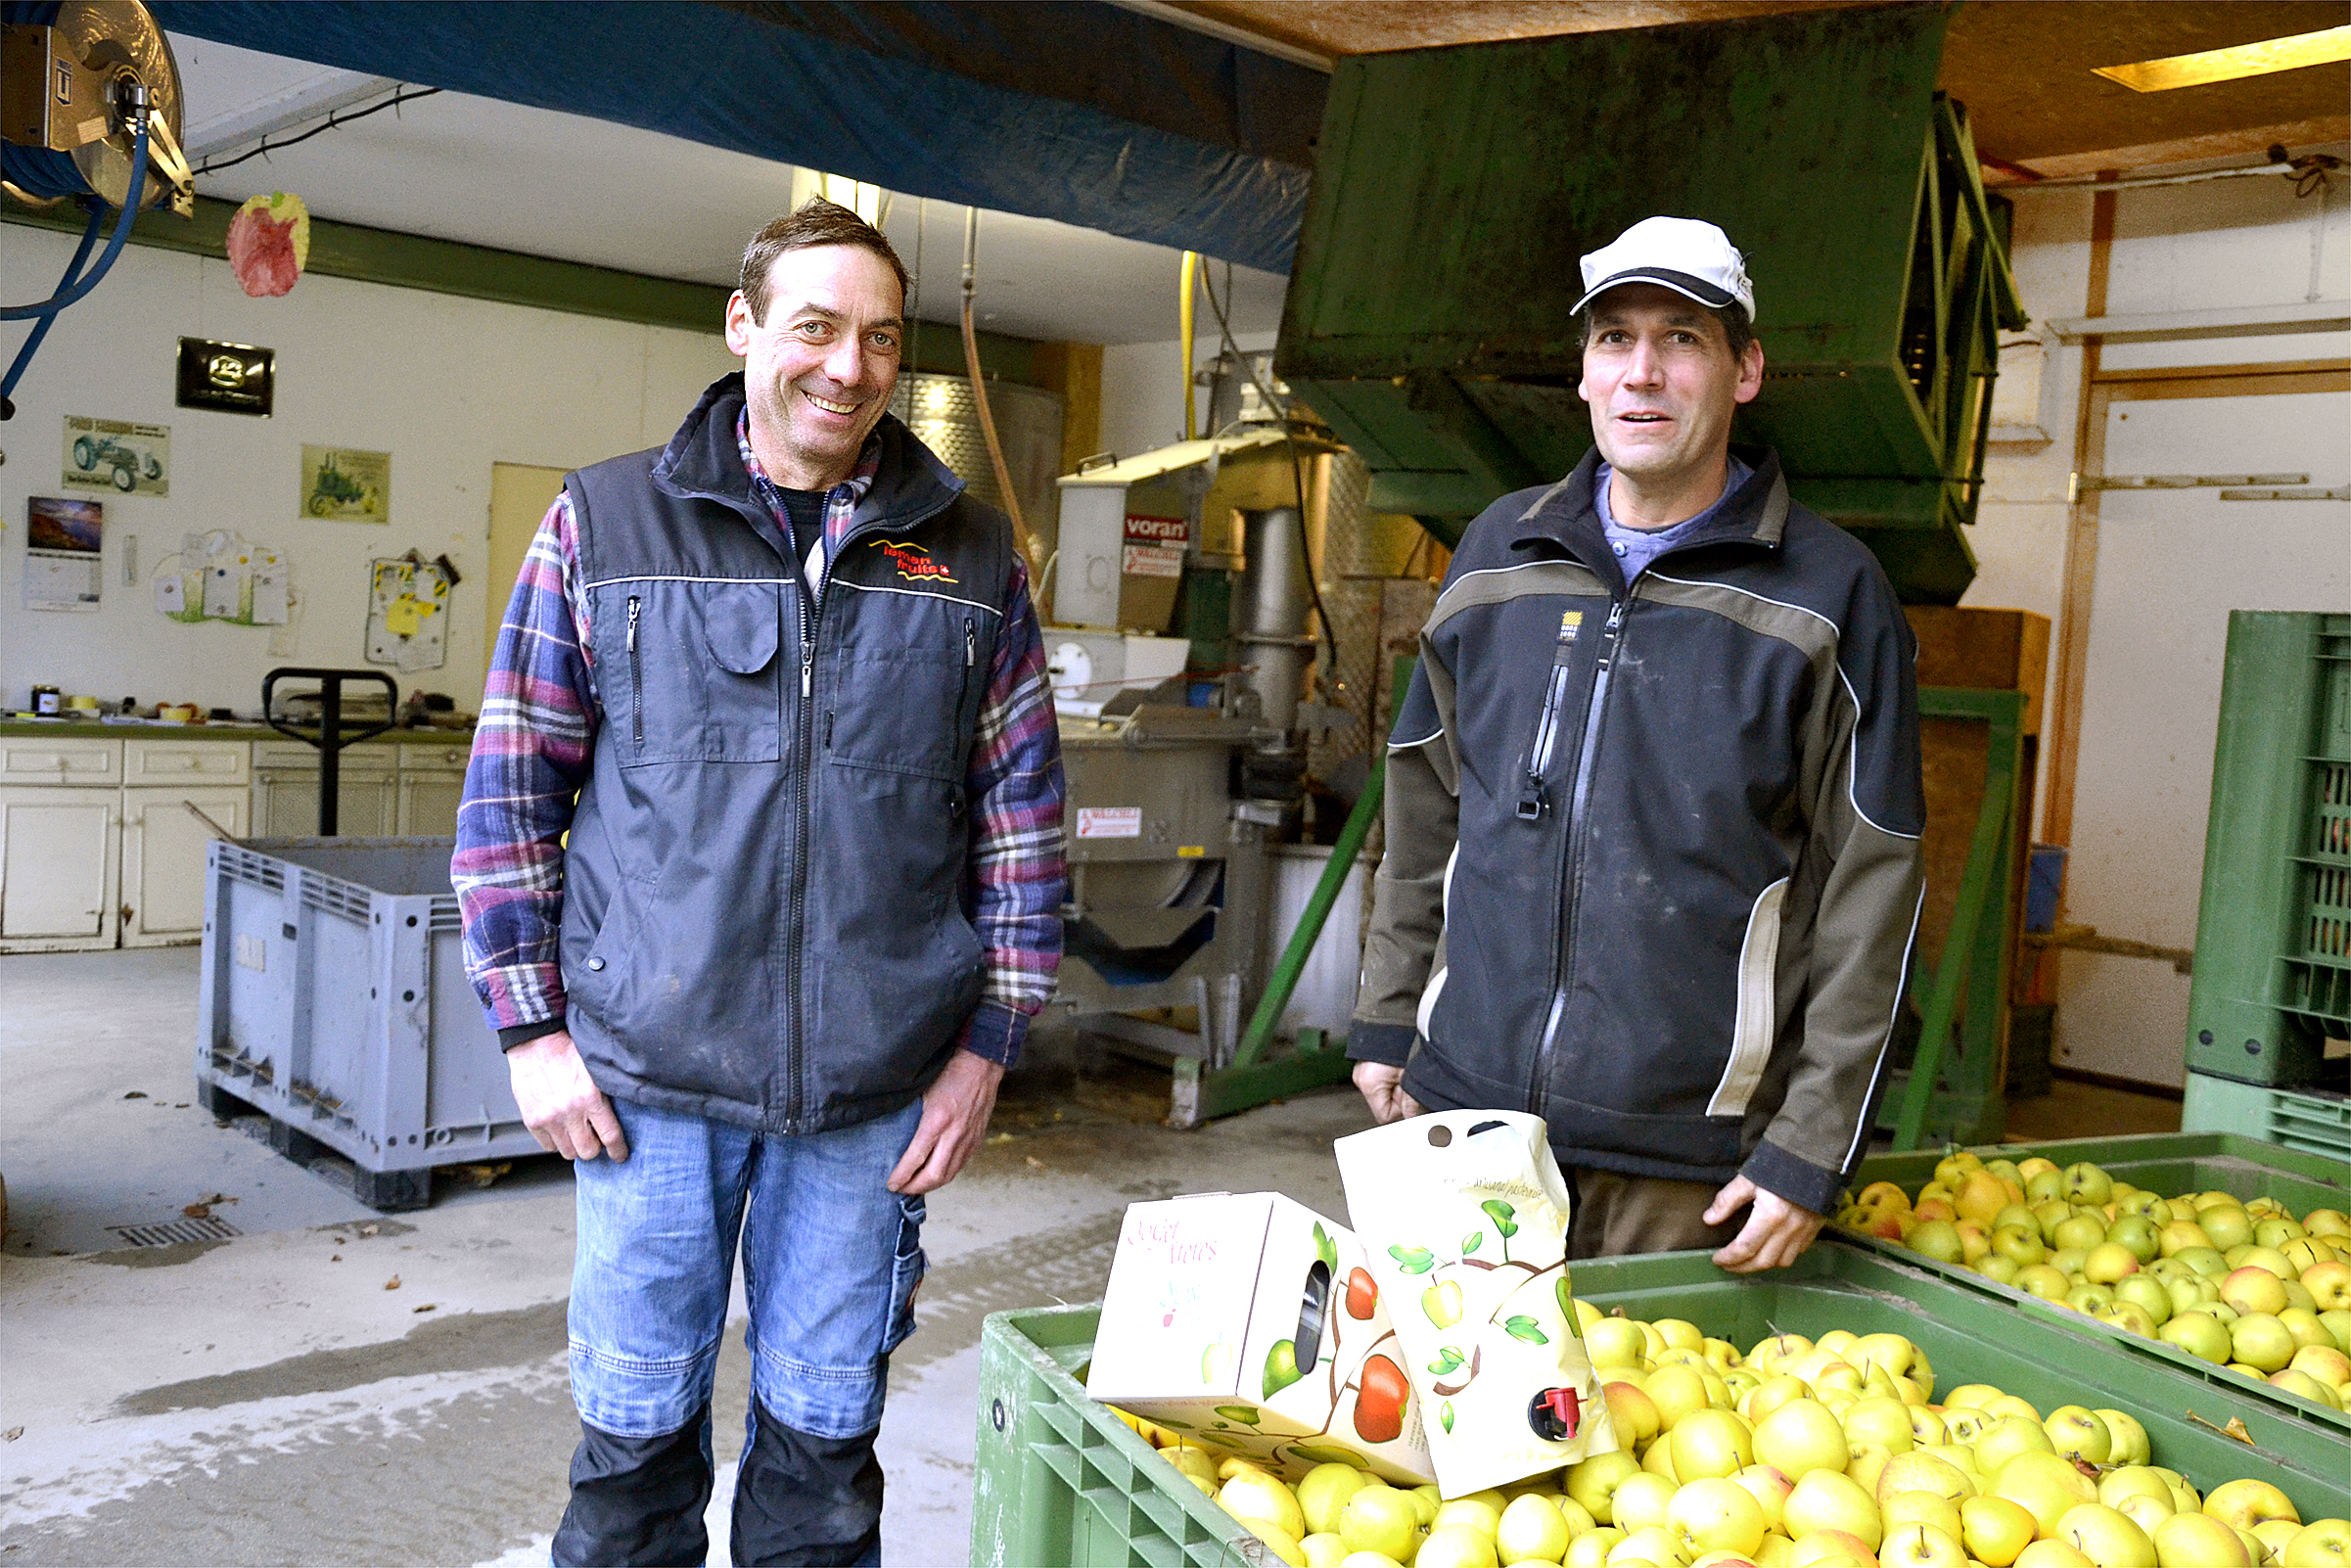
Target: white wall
column 448, row 385
column 1142, row 389
column 2148, row 721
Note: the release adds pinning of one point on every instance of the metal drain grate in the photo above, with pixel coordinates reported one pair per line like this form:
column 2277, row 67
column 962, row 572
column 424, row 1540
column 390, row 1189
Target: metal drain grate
column 174, row 1232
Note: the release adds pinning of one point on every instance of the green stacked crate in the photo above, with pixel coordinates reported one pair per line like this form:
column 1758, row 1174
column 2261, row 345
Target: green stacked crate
column 1062, row 1480
column 2272, row 971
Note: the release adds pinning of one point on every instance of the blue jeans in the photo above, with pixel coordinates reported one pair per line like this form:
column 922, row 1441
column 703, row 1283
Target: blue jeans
column 831, row 1259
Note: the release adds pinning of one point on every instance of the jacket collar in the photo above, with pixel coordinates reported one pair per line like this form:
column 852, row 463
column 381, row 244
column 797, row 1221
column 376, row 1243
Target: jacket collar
column 702, row 462
column 1564, row 517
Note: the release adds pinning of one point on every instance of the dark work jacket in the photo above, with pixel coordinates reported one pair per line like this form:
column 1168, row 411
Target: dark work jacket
column 1653, row 852
column 763, row 913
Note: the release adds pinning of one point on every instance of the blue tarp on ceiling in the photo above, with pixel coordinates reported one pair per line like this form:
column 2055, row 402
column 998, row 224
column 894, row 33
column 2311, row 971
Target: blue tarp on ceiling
column 1058, row 108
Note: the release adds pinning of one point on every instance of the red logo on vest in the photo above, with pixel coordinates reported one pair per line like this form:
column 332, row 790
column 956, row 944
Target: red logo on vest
column 913, row 562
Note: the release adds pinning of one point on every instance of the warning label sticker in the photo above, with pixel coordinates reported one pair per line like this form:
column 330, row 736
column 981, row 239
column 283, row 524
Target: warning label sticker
column 1110, row 821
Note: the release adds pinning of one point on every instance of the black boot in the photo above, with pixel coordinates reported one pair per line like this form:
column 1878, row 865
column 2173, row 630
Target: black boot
column 637, row 1503
column 805, row 1501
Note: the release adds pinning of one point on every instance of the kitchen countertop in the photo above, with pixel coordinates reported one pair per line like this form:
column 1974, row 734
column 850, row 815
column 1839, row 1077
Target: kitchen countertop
column 91, row 729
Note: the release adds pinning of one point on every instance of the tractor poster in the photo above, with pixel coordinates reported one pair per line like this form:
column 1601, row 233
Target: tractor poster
column 339, row 485
column 115, row 454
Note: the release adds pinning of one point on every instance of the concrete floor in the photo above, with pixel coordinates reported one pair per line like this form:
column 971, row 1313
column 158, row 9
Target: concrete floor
column 273, row 1398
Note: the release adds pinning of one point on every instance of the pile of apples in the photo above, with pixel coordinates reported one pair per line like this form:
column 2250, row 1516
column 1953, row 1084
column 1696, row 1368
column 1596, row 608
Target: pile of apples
column 1797, row 1454
column 2242, row 1284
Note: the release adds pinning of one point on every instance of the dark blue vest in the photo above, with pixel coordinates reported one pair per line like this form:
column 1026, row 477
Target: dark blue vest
column 764, row 910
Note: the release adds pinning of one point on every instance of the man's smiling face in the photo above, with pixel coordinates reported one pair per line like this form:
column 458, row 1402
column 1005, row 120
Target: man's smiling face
column 1663, row 384
column 818, row 371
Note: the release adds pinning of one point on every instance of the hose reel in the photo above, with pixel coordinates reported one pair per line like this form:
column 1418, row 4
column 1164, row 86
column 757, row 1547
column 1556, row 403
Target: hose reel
column 89, row 112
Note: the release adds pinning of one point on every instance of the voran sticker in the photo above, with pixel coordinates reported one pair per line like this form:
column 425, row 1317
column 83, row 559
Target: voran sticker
column 1110, row 821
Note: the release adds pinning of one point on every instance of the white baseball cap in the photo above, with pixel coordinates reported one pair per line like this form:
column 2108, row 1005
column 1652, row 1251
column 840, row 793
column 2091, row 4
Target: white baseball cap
column 1693, row 258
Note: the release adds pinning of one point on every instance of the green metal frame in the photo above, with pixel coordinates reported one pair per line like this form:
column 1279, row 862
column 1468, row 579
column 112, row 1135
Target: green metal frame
column 1256, row 1075
column 509, row 277
column 1962, row 1098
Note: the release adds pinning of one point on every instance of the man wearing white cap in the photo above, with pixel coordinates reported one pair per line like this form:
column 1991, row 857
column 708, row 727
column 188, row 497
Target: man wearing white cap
column 1653, row 803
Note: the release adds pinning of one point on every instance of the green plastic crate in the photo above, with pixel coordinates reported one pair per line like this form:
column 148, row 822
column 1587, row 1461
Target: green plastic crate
column 2272, row 971
column 1061, row 1480
column 2309, row 1121
column 2169, row 1163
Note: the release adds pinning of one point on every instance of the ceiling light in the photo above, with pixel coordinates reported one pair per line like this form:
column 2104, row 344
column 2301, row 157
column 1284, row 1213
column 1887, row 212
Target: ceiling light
column 2290, row 53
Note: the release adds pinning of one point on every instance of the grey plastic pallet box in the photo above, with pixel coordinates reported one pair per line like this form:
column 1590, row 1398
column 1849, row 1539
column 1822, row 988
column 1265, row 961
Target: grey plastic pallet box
column 334, row 999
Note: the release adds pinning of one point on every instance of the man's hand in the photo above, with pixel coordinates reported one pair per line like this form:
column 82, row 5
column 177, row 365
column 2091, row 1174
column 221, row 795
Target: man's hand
column 1383, row 1089
column 1776, row 1234
column 560, row 1103
column 955, row 1118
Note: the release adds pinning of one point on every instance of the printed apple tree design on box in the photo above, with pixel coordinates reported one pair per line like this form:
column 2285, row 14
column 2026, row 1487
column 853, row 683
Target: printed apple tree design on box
column 1441, row 1303
column 1379, row 1385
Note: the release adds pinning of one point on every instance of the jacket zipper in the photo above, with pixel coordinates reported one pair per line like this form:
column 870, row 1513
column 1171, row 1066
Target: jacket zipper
column 803, row 724
column 636, row 676
column 1535, row 799
column 1563, row 946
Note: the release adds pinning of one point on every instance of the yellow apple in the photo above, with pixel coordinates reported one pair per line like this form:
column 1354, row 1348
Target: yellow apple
column 1324, row 1550
column 2198, row 1541
column 1615, row 1341
column 2106, row 1537
column 1457, row 1545
column 2076, row 1434
column 2147, row 1513
column 1644, row 1501
column 1654, row 1546
column 2319, row 1544
column 1716, row 1514
column 2006, row 1439
column 1678, row 1333
column 2253, row 1289
column 1532, row 1530
column 2329, row 1284
column 1677, row 1390
column 1771, row 1394
column 2132, row 1480
column 1995, row 1530
column 1768, row 1353
column 2260, row 1340
column 1254, row 1494
column 2306, row 1387
column 1591, row 1548
column 1324, row 1491
column 1828, row 1500
column 1899, row 1509
column 2045, row 1484
column 1923, row 1472
column 2051, row 1552
column 1881, row 1419
column 2304, row 1325
column 1381, row 1519
column 2276, row 1534
column 1711, row 1444
column 1922, row 1546
column 1800, row 1436
column 1831, row 1548
column 1592, row 1482
column 1658, row 1459
column 1769, row 1487
column 1868, row 1463
column 2130, row 1442
column 2247, row 1505
column 1281, row 1542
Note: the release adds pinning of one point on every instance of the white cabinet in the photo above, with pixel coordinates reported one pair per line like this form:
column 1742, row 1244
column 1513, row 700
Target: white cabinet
column 58, row 849
column 286, row 791
column 165, row 831
column 432, row 782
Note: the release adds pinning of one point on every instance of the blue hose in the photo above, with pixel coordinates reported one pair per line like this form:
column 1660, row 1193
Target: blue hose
column 75, row 285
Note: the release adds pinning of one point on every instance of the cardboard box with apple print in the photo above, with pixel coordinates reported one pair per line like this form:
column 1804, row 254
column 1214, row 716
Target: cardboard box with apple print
column 1464, row 1216
column 1250, row 1323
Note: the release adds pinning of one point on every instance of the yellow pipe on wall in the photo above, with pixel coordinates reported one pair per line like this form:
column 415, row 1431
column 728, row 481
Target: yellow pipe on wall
column 1184, row 318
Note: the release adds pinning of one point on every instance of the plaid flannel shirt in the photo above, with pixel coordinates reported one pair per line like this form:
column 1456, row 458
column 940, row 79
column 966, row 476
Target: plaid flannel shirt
column 531, row 756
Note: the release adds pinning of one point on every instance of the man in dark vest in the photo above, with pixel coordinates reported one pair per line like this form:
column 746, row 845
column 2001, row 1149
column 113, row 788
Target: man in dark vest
column 782, row 685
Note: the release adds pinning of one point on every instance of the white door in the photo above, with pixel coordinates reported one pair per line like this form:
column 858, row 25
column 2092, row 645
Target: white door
column 163, row 858
column 2171, row 564
column 57, row 867
column 429, row 803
